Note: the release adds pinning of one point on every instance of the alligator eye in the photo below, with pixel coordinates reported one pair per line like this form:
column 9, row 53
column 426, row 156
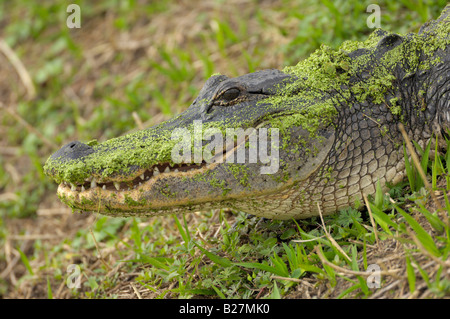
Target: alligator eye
column 231, row 94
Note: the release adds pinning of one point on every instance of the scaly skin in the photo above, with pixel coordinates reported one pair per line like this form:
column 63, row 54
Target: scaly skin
column 337, row 115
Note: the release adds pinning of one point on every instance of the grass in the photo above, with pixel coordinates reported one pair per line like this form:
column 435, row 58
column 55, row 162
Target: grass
column 132, row 66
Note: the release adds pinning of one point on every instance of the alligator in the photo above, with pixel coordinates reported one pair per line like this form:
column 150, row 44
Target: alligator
column 276, row 144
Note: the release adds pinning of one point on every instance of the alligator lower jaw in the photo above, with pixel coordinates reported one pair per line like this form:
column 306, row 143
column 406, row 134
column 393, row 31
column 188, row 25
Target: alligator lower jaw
column 95, row 189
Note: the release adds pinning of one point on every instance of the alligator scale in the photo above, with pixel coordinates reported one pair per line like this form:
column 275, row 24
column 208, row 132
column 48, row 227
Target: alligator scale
column 330, row 123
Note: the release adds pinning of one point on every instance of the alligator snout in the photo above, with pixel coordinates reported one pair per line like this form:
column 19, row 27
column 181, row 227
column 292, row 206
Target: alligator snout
column 72, row 151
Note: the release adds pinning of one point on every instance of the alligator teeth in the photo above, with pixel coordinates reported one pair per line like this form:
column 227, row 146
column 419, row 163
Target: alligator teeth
column 104, row 187
column 176, row 170
column 93, row 183
column 117, row 185
column 140, row 183
column 73, row 188
column 167, row 170
column 142, row 177
column 82, row 188
column 156, row 171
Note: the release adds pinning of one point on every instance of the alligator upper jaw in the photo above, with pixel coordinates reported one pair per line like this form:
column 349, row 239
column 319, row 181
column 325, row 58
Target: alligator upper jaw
column 137, row 176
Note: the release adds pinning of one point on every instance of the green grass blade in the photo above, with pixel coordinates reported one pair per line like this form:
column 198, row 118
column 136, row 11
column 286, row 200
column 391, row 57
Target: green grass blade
column 311, row 268
column 409, row 170
column 354, row 263
column 364, row 253
column 423, row 273
column 188, row 234
column 438, row 167
column 49, row 289
column 418, row 148
column 280, row 265
column 330, row 271
column 292, row 256
column 419, row 183
column 136, row 235
column 425, row 239
column 275, row 292
column 447, row 203
column 434, row 172
column 424, row 162
column 217, row 259
column 411, row 275
column 434, row 221
column 348, row 290
column 152, row 261
column 183, row 234
column 379, row 196
column 219, row 293
column 426, row 157
column 354, row 258
column 382, row 219
column 25, row 261
column 264, row 267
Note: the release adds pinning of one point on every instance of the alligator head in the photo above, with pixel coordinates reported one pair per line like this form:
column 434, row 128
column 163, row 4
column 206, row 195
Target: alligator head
column 222, row 149
column 274, row 143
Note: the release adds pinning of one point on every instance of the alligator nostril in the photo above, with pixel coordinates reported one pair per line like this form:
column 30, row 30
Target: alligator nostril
column 73, row 150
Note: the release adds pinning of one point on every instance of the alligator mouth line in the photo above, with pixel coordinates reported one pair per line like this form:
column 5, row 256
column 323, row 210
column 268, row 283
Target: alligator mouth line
column 144, row 176
column 139, row 180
